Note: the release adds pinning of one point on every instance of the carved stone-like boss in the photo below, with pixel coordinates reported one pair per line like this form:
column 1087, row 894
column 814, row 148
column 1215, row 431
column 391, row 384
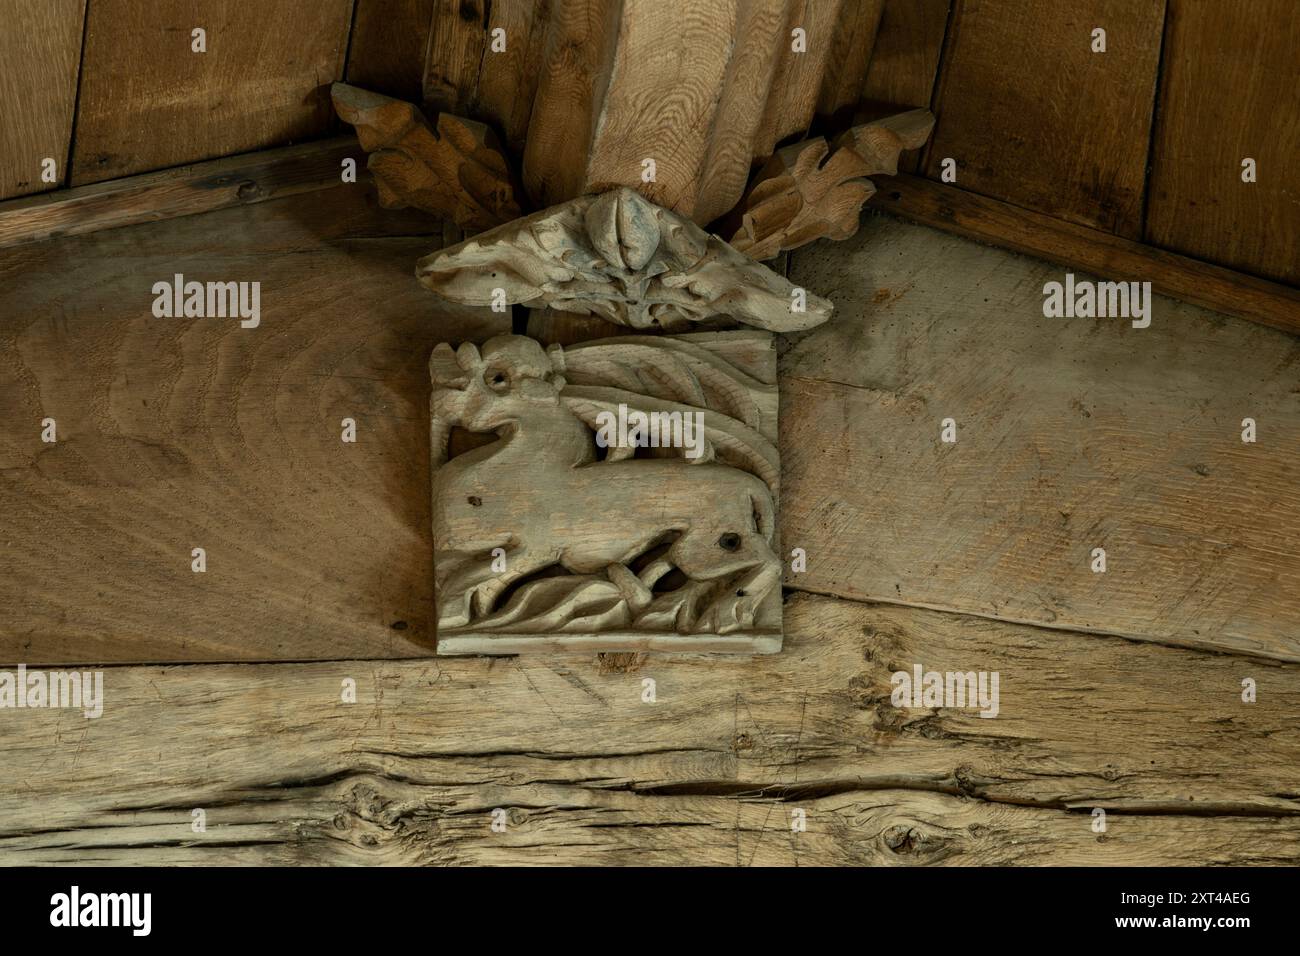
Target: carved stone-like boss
column 622, row 493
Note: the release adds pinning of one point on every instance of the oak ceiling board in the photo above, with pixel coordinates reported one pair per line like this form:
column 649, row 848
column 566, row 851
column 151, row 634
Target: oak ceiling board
column 40, row 49
column 1034, row 117
column 183, row 433
column 149, row 101
column 1229, row 91
column 1071, row 435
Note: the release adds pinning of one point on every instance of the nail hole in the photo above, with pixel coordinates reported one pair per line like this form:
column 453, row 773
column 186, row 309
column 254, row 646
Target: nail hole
column 475, row 500
column 729, row 541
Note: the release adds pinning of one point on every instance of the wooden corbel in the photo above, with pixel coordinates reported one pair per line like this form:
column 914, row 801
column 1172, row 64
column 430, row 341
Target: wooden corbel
column 622, row 493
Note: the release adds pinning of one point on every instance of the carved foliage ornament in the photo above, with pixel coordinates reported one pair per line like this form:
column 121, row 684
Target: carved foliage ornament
column 620, row 257
column 621, row 493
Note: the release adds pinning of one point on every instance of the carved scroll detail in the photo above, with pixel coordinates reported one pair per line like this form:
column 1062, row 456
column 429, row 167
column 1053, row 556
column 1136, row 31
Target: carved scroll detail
column 537, row 534
column 622, row 258
column 455, row 170
column 806, row 191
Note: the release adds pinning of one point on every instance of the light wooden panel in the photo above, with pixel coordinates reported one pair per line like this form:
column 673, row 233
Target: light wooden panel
column 176, row 433
column 1073, row 434
column 148, row 102
column 389, row 41
column 1034, row 117
column 1230, row 89
column 40, row 48
column 1013, row 227
column 708, row 774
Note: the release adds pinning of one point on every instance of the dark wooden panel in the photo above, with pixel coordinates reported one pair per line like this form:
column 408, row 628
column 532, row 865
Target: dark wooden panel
column 148, row 101
column 905, row 58
column 389, row 42
column 40, row 48
column 1230, row 89
column 1034, row 117
column 176, row 433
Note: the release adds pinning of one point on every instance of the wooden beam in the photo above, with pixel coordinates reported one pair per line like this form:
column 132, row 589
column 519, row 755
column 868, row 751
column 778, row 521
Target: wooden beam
column 183, row 191
column 709, row 773
column 1112, row 257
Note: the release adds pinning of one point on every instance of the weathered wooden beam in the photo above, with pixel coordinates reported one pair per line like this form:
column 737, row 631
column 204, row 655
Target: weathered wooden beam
column 710, row 772
column 1201, row 283
column 183, row 191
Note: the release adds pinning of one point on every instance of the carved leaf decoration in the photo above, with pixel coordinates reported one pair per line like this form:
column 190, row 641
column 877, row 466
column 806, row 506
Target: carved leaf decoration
column 674, row 370
column 455, row 170
column 807, row 192
column 653, row 374
column 622, row 258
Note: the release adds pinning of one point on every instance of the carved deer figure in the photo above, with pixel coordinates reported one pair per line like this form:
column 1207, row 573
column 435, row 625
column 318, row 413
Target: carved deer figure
column 547, row 500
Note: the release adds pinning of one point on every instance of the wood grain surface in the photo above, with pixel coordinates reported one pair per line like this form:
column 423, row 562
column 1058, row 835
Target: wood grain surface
column 1036, row 234
column 709, row 773
column 1072, row 434
column 1033, row 116
column 390, row 39
column 183, row 433
column 40, row 51
column 1229, row 90
column 264, row 80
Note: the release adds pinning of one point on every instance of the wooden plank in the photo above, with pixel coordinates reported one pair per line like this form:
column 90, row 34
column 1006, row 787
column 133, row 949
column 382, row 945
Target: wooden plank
column 179, row 433
column 40, row 48
column 707, row 774
column 182, row 191
column 507, row 80
column 1073, row 434
column 1034, row 117
column 388, row 46
column 264, row 81
column 1229, row 91
column 988, row 220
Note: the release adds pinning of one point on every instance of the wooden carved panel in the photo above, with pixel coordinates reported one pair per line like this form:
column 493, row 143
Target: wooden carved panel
column 618, row 494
